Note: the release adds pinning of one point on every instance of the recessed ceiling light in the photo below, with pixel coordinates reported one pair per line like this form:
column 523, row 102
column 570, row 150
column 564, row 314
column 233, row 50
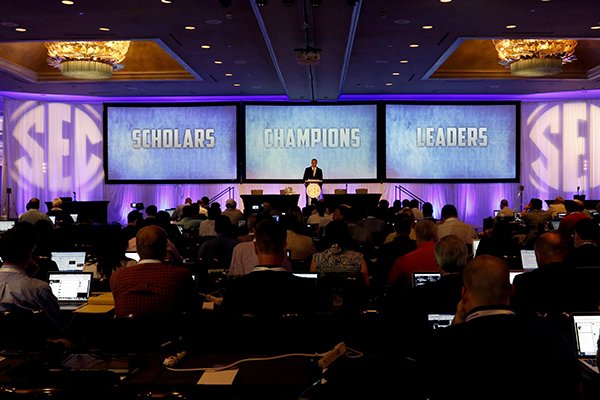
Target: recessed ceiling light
column 205, row 46
column 166, row 1
column 20, row 29
column 67, row 2
column 403, row 61
column 237, row 84
column 511, row 26
column 595, row 27
column 396, row 73
column 388, row 84
column 218, row 62
column 228, row 74
column 445, row 1
column 413, row 45
column 427, row 27
column 190, row 27
column 104, row 29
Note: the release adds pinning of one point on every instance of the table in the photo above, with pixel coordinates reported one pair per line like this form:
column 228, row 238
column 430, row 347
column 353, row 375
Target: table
column 280, row 202
column 360, row 203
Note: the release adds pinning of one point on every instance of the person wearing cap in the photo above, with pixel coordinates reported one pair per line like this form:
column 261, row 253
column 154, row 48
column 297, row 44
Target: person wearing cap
column 232, row 212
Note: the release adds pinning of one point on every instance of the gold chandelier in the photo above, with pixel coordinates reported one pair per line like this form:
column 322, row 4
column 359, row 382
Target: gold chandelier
column 535, row 57
column 87, row 60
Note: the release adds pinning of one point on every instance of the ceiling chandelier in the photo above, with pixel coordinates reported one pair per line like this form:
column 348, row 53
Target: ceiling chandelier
column 535, row 57
column 87, row 60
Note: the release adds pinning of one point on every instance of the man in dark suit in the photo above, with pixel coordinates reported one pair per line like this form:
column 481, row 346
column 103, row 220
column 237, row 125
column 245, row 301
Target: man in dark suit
column 313, row 172
column 489, row 352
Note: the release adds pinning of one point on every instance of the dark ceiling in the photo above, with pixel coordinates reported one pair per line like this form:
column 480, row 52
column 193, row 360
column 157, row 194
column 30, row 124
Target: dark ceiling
column 362, row 44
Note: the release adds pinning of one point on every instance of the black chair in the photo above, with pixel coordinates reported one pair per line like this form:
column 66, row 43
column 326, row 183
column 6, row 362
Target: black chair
column 23, row 329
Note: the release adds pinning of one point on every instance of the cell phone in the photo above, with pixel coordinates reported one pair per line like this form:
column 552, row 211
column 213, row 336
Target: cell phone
column 255, row 207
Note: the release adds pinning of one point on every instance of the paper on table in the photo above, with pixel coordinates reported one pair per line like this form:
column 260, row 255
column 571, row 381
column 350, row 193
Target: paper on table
column 218, row 377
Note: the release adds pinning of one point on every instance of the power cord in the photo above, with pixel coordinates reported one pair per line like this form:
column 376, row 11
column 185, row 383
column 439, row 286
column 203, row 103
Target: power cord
column 326, row 359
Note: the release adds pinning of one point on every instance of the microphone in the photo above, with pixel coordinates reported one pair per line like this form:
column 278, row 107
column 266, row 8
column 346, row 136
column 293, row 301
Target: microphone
column 74, row 196
column 577, row 190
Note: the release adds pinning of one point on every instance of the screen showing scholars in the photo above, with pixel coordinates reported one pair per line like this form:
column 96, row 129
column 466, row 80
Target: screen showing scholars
column 280, row 139
column 452, row 141
column 170, row 143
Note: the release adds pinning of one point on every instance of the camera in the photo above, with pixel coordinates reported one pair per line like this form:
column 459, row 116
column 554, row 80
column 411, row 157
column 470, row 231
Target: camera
column 137, row 206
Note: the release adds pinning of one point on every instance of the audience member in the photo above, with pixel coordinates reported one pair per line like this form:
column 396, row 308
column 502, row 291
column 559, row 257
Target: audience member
column 17, row 290
column 207, row 228
column 33, row 213
column 232, row 212
column 400, row 245
column 135, row 221
column 339, row 258
column 420, row 260
column 433, row 298
column 489, row 352
column 567, row 223
column 177, row 214
column 152, row 287
column 269, row 291
column 62, row 218
column 548, row 289
column 558, row 207
column 216, row 253
column 450, row 225
column 414, row 206
column 505, row 210
column 535, row 220
column 585, row 251
column 428, row 212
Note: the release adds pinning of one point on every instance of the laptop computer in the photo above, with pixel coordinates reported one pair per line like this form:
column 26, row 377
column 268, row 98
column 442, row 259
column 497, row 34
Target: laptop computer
column 421, row 278
column 513, row 274
column 475, row 246
column 52, row 219
column 496, row 213
column 586, row 328
column 528, row 259
column 74, row 217
column 6, row 225
column 69, row 260
column 133, row 255
column 72, row 289
column 555, row 224
column 437, row 321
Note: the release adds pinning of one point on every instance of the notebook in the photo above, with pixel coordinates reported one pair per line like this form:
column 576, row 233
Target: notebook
column 72, row 289
column 528, row 259
column 6, row 225
column 421, row 278
column 586, row 328
column 69, row 260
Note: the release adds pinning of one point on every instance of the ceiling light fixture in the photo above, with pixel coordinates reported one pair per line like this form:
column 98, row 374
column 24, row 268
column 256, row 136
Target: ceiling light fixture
column 535, row 57
column 87, row 60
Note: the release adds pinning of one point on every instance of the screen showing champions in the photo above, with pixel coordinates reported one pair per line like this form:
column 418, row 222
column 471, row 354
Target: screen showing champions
column 281, row 140
column 170, row 143
column 461, row 142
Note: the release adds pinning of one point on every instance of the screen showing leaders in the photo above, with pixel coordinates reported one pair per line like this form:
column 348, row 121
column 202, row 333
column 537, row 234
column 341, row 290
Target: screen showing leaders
column 170, row 143
column 281, row 140
column 459, row 142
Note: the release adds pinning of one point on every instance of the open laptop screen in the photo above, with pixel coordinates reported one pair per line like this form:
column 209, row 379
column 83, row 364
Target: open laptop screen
column 133, row 255
column 6, row 225
column 70, row 286
column 421, row 278
column 587, row 330
column 69, row 260
column 528, row 259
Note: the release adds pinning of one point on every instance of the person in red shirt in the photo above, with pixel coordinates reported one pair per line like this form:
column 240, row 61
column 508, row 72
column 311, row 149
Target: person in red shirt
column 420, row 260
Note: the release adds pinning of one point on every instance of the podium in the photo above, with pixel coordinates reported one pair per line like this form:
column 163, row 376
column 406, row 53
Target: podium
column 313, row 188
